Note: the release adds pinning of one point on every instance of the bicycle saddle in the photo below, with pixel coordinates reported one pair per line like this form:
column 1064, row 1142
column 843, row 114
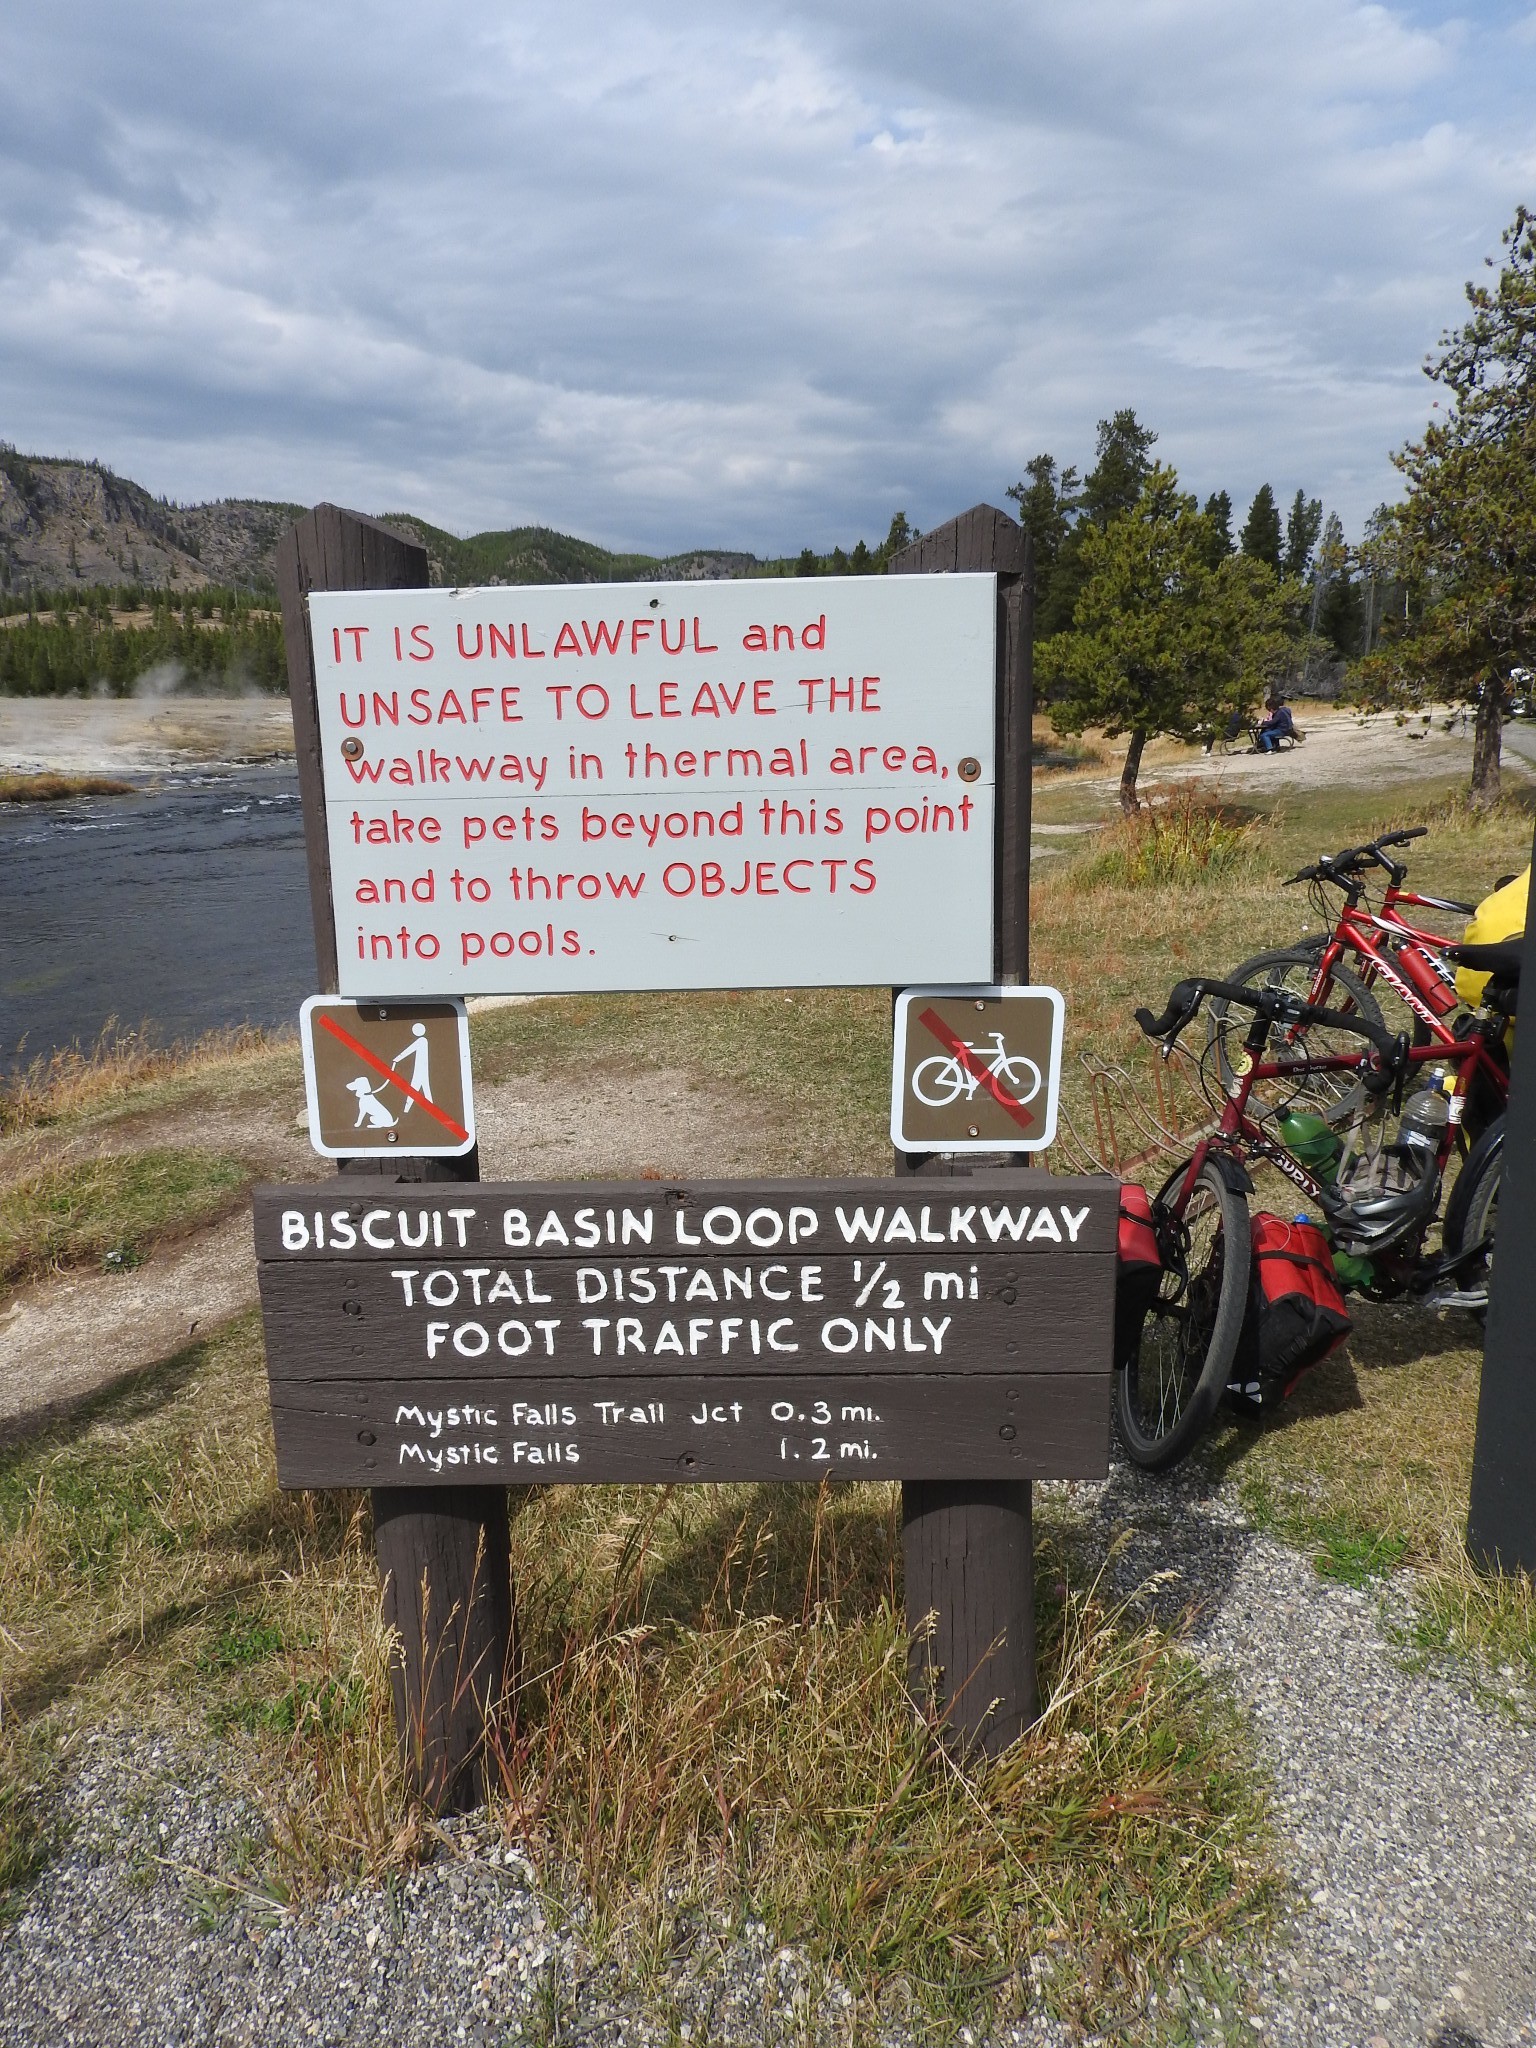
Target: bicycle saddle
column 1501, row 958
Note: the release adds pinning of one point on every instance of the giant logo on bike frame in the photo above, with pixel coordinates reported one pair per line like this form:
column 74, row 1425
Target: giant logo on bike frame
column 976, row 1069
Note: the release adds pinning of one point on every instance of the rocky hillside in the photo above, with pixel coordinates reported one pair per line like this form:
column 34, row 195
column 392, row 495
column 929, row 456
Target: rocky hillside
column 75, row 523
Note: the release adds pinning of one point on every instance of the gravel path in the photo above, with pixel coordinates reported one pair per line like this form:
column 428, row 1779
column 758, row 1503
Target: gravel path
column 1406, row 1802
column 1407, row 1808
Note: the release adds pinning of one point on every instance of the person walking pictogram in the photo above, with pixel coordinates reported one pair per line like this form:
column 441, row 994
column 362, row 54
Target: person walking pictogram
column 418, row 1075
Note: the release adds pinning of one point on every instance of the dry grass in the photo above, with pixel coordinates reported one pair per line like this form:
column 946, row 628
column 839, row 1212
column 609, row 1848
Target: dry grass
column 123, row 1069
column 48, row 788
column 1180, row 838
column 717, row 1716
column 149, row 1567
column 712, row 1719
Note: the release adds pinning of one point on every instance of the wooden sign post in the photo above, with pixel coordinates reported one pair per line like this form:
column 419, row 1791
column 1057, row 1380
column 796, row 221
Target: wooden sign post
column 968, row 1544
column 444, row 1553
column 867, row 817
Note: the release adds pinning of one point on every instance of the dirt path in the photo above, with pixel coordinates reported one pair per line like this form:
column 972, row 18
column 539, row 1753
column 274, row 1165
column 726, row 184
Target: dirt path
column 1341, row 747
column 65, row 1339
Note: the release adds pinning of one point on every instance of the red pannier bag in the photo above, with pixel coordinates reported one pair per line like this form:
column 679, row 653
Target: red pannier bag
column 1296, row 1313
column 1138, row 1268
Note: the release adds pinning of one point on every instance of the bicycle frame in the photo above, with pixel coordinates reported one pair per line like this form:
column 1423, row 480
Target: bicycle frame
column 1355, row 932
column 1240, row 1138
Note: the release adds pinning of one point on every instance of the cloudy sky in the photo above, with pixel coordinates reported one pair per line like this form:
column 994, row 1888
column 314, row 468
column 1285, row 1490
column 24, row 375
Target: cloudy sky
column 751, row 276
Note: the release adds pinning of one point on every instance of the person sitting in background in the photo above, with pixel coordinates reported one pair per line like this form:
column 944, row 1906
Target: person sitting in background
column 1278, row 725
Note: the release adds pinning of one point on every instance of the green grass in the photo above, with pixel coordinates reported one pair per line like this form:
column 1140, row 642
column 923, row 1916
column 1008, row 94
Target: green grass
column 111, row 1209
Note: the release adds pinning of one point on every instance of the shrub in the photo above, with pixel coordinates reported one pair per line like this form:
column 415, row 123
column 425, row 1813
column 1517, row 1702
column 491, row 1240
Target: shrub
column 1178, row 840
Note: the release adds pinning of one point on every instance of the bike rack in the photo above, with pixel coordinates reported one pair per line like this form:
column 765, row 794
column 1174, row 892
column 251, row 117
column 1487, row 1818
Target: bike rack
column 1129, row 1131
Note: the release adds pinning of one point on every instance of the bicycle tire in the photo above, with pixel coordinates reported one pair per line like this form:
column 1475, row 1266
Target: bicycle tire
column 1472, row 1211
column 1336, row 1097
column 1168, row 1390
column 947, row 1067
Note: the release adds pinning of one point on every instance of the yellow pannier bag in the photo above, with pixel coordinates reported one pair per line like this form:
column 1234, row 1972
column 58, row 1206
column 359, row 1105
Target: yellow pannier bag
column 1499, row 916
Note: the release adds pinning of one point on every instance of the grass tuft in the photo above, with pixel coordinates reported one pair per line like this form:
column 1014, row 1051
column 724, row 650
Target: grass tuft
column 49, row 788
column 716, row 1721
column 1180, row 840
column 60, row 1086
column 112, row 1209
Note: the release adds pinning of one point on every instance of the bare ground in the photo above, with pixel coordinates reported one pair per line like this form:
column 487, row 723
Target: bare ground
column 140, row 735
column 1341, row 747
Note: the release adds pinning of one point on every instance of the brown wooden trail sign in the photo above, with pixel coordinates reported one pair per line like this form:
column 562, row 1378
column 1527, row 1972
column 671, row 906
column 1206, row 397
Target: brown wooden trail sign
column 733, row 1330
column 442, row 1537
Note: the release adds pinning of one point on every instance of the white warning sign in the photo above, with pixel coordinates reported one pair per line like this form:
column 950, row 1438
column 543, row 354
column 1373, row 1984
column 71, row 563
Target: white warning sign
column 768, row 783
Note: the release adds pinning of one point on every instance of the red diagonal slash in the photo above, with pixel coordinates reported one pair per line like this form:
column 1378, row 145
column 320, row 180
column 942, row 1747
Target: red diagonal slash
column 389, row 1074
column 958, row 1049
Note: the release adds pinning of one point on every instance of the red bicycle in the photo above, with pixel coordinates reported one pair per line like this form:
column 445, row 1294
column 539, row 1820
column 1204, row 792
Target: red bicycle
column 1378, row 1195
column 1386, row 954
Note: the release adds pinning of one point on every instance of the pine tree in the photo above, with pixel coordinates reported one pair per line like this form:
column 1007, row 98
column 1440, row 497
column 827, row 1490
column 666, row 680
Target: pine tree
column 1111, row 489
column 1046, row 504
column 1162, row 641
column 1218, row 510
column 1466, row 533
column 1261, row 529
column 1303, row 524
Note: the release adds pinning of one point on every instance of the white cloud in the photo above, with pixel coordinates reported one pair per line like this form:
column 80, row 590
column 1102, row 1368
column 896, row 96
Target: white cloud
column 663, row 274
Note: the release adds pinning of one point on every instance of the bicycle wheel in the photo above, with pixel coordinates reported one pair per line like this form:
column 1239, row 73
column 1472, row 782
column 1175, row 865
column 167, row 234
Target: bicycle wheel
column 1473, row 1211
column 1171, row 1386
column 947, row 1082
column 1337, row 1097
column 1009, row 1071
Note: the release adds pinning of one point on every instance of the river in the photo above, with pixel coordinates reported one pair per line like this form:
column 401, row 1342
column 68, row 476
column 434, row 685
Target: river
column 182, row 907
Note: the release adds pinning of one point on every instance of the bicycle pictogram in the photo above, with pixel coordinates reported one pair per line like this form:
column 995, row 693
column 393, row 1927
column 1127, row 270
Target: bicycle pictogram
column 945, row 1079
column 976, row 1069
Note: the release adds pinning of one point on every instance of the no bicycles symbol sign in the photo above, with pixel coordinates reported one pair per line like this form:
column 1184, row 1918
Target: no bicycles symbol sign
column 976, row 1069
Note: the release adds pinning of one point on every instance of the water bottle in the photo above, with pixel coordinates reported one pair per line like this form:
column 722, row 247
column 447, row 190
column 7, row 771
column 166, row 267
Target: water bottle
column 1313, row 1142
column 1425, row 1116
